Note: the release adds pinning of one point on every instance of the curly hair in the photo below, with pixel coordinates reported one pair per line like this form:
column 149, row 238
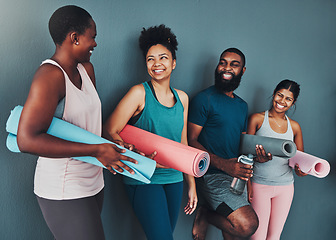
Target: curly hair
column 66, row 19
column 158, row 35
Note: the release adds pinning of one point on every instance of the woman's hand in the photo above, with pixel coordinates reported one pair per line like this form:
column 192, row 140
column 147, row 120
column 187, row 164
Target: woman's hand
column 192, row 201
column 121, row 143
column 110, row 155
column 299, row 172
column 262, row 156
column 158, row 165
column 130, row 147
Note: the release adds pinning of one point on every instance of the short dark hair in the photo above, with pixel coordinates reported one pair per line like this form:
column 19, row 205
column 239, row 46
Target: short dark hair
column 158, row 35
column 237, row 51
column 292, row 86
column 66, row 19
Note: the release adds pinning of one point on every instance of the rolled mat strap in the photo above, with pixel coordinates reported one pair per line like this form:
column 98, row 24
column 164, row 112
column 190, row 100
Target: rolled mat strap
column 67, row 131
column 276, row 146
column 310, row 164
column 170, row 153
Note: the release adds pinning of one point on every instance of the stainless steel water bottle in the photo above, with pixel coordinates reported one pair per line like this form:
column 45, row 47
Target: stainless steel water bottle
column 238, row 185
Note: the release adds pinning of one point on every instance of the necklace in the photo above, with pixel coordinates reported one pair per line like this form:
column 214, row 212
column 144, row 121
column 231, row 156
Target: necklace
column 276, row 122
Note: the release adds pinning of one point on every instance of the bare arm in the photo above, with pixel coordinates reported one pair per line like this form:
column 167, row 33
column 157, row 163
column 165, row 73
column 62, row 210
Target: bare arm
column 46, row 90
column 254, row 123
column 230, row 166
column 298, row 140
column 130, row 105
column 192, row 194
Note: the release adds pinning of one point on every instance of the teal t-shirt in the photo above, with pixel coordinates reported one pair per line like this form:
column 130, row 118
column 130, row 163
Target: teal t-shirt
column 223, row 120
column 163, row 121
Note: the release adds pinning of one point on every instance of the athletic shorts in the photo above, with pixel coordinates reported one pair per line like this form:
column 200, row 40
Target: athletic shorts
column 215, row 190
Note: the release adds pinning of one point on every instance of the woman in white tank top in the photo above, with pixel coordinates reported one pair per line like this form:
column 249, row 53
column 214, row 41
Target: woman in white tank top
column 271, row 188
column 69, row 192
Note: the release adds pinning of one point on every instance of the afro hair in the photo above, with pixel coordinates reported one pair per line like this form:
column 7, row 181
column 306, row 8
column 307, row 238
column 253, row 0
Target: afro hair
column 158, row 35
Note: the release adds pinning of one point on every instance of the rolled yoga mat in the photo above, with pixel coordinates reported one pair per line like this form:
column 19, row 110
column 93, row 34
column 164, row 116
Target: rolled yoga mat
column 170, row 153
column 310, row 164
column 67, row 131
column 278, row 147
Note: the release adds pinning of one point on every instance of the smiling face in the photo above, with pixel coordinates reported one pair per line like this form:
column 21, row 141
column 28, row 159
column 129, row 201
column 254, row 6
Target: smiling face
column 86, row 43
column 160, row 62
column 229, row 72
column 283, row 99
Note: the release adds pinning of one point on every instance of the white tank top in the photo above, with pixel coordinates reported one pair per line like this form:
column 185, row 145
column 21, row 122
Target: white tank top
column 275, row 172
column 67, row 178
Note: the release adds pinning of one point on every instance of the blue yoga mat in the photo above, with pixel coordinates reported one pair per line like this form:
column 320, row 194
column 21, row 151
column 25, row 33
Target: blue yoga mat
column 67, row 131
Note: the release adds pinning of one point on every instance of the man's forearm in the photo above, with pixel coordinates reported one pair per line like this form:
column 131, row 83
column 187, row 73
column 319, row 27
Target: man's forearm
column 215, row 161
column 229, row 166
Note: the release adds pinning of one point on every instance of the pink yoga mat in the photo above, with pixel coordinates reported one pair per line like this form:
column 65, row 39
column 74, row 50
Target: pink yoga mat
column 310, row 164
column 169, row 153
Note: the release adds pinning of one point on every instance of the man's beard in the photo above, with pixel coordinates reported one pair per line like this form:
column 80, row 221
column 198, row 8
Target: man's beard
column 227, row 85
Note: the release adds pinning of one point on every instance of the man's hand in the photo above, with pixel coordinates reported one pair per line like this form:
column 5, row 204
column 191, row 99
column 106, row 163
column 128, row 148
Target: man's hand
column 237, row 169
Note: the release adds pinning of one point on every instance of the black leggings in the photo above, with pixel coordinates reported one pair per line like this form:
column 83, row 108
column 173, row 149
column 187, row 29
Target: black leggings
column 74, row 219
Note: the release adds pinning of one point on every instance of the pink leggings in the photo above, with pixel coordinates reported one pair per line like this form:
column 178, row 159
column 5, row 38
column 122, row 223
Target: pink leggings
column 272, row 204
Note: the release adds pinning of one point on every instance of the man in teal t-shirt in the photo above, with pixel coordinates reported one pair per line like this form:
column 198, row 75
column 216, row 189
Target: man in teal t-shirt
column 217, row 118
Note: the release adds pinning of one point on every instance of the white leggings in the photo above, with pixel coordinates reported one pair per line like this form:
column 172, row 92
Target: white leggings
column 272, row 204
